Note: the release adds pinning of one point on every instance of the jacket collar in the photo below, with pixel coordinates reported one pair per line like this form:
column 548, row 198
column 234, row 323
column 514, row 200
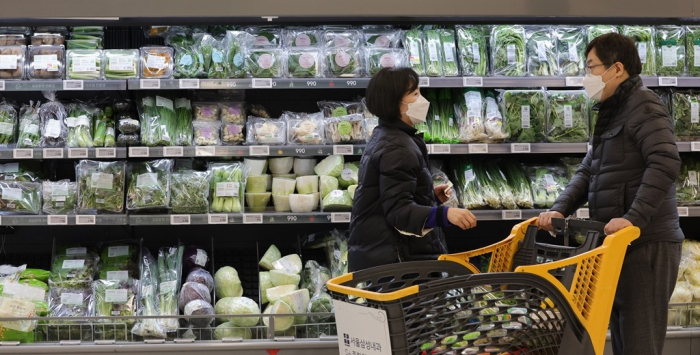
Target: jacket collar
column 618, row 98
column 398, row 124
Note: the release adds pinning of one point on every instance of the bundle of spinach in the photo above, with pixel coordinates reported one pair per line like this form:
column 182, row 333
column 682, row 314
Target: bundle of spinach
column 643, row 37
column 524, row 114
column 541, row 51
column 471, row 42
column 189, row 192
column 218, row 68
column 235, row 56
column 343, row 62
column 687, row 184
column 304, row 63
column 571, row 49
column 265, row 63
column 686, row 115
column 692, row 46
column 433, row 45
column 100, row 186
column 599, row 30
column 20, row 197
column 670, row 50
column 508, row 50
column 567, row 117
column 413, row 42
column 188, row 62
column 149, row 184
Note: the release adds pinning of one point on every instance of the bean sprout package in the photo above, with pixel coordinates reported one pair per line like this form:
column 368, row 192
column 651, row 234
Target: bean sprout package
column 266, row 131
column 304, row 128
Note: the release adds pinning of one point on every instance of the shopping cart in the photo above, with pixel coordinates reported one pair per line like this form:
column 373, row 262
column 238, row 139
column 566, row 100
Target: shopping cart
column 445, row 307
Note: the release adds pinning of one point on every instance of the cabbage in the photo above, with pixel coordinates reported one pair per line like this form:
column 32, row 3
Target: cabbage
column 238, row 305
column 199, row 308
column 682, row 293
column 315, row 277
column 349, row 175
column 275, row 293
column 227, row 283
column 281, row 323
column 265, row 284
column 281, row 277
column 299, row 301
column 194, row 257
column 283, row 187
column 193, row 291
column 351, row 191
column 337, row 201
column 332, row 165
column 328, row 184
column 201, row 276
column 307, row 184
column 271, row 255
column 691, row 249
column 290, row 263
column 228, row 330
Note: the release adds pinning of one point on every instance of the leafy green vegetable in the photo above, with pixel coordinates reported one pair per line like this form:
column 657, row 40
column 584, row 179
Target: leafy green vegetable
column 524, row 114
column 413, row 42
column 686, row 115
column 508, row 50
column 188, row 62
column 149, row 184
column 379, row 58
column 169, row 276
column 471, row 42
column 467, row 185
column 599, row 30
column 567, row 117
column 20, row 197
column 73, row 270
column 265, row 63
column 643, row 36
column 100, row 186
column 687, row 184
column 571, row 46
column 8, row 122
column 35, row 274
column 218, row 68
column 79, row 126
column 548, row 182
column 189, row 192
column 103, row 121
column 494, row 187
column 119, row 256
column 519, row 184
column 433, row 61
column 343, row 62
column 541, row 51
column 29, row 123
column 183, row 130
column 227, row 187
column 235, row 58
column 115, row 298
column 449, row 52
column 59, row 197
column 303, row 63
column 158, row 121
column 693, row 48
column 670, row 50
column 300, row 37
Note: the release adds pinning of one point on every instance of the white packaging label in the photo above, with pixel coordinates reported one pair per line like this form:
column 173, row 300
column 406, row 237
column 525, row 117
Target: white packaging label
column 84, row 64
column 449, row 52
column 101, row 181
column 302, row 40
column 510, row 49
column 432, row 51
column 155, row 61
column 116, row 251
column 71, row 122
column 76, row 251
column 551, row 184
column 163, row 102
column 541, row 51
column 525, row 116
column 59, row 193
column 415, row 53
column 33, row 129
column 696, row 57
column 117, row 275
column 475, row 53
column 469, row 175
column 6, row 128
column 387, row 61
column 347, row 174
column 695, row 112
column 147, row 179
column 121, row 62
column 11, row 194
column 266, row 61
column 53, row 129
column 342, row 59
column 573, row 53
column 227, row 189
column 568, row 116
column 8, row 62
column 307, row 60
column 201, row 258
column 669, row 56
column 74, row 299
column 692, row 178
column 642, row 49
column 116, row 296
column 73, row 264
column 46, row 62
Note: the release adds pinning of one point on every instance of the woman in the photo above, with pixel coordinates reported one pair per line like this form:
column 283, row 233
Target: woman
column 395, row 214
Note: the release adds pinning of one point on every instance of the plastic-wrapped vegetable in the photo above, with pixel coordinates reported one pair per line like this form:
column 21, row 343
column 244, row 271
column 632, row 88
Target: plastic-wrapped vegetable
column 470, row 115
column 265, row 36
column 79, row 127
column 413, row 42
column 301, row 37
column 156, row 62
column 692, row 49
column 473, row 53
column 433, row 52
column 686, row 115
column 265, row 63
column 687, row 183
column 149, row 184
column 508, row 50
column 27, row 171
column 571, row 48
column 169, row 276
column 444, row 128
column 379, row 58
column 149, row 302
column 115, row 298
column 643, row 37
column 183, row 130
column 72, row 270
column 206, row 133
column 101, row 186
column 54, row 131
column 493, row 120
column 232, row 112
column 46, row 62
column 524, row 114
column 60, row 197
column 599, row 30
column 266, row 131
column 547, row 182
column 468, row 186
column 348, row 129
column 304, row 63
column 189, row 192
column 342, row 38
column 29, row 123
column 304, row 128
column 84, row 64
column 157, row 121
column 215, row 57
column 121, row 63
column 382, row 38
column 495, row 189
column 13, row 62
column 21, row 331
column 8, row 122
column 343, row 62
column 234, row 43
column 103, row 122
column 227, row 187
column 206, row 111
column 119, row 261
column 20, row 197
column 670, row 50
column 340, row 108
column 71, row 300
column 541, row 51
column 188, row 60
column 449, row 52
column 440, row 178
column 519, row 184
column 567, row 117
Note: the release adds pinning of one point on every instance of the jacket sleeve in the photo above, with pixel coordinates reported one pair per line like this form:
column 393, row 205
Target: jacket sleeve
column 652, row 132
column 576, row 193
column 398, row 168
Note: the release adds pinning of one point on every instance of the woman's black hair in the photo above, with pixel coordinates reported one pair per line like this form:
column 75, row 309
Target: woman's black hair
column 387, row 88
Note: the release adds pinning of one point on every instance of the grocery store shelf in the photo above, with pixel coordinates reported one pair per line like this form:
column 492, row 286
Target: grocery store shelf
column 63, row 153
column 60, row 85
column 237, row 218
column 58, row 220
column 505, row 148
column 246, row 151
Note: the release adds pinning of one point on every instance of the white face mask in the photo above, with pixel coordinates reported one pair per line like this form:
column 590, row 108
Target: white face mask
column 594, row 85
column 417, row 110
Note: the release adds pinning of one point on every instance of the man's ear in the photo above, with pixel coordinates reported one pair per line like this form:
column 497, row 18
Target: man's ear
column 619, row 69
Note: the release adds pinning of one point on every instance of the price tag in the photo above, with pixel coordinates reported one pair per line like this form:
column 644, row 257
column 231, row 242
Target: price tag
column 85, row 220
column 340, row 217
column 252, row 218
column 262, row 83
column 574, row 81
column 218, row 219
column 512, row 214
column 173, row 151
column 53, row 153
column 153, row 84
column 695, row 146
column 683, row 212
column 180, row 219
column 72, row 85
column 361, row 323
column 473, row 81
column 189, row 83
column 424, row 82
column 116, row 296
column 259, row 150
column 77, row 153
column 520, row 148
column 139, row 152
column 23, row 153
column 106, row 153
column 2, row 85
column 57, row 220
column 478, row 149
column 343, row 150
column 440, row 149
column 583, row 213
column 668, row 81
column 205, row 151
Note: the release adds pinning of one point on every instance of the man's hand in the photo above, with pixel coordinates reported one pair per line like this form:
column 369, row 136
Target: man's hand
column 461, row 218
column 545, row 220
column 443, row 192
column 616, row 224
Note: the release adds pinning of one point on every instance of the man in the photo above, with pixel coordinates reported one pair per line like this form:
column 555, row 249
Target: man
column 628, row 179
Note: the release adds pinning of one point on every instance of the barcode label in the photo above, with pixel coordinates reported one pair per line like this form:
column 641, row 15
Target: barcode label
column 2, row 85
column 205, row 151
column 583, row 213
column 53, row 153
column 695, row 146
column 343, row 149
column 218, row 219
column 106, row 153
column 23, row 154
column 474, row 81
column 252, row 219
column 668, row 81
column 173, row 151
column 85, row 220
column 57, row 220
column 189, row 84
column 180, row 219
column 72, row 85
column 683, row 212
column 77, row 153
column 512, row 214
column 440, row 149
column 520, row 148
column 259, row 150
column 424, row 82
column 139, row 152
column 478, row 149
column 340, row 217
column 574, row 81
column 262, row 83
column 150, row 84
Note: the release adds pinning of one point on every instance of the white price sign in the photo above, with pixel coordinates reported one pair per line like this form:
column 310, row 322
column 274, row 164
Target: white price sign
column 106, row 153
column 440, row 149
column 139, row 152
column 53, row 153
column 205, row 151
column 340, row 217
column 512, row 214
column 520, row 148
column 72, row 85
column 343, row 149
column 668, row 81
column 173, row 151
column 259, row 150
column 189, row 83
column 574, row 81
column 252, row 218
column 85, row 220
column 478, row 149
column 695, row 146
column 57, row 220
column 473, row 81
column 361, row 330
column 2, row 85
column 153, row 84
column 180, row 219
column 683, row 212
column 218, row 219
column 424, row 82
column 78, row 153
column 22, row 153
column 262, row 83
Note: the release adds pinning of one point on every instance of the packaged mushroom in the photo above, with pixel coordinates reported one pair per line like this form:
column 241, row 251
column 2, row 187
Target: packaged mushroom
column 206, row 111
column 232, row 112
column 232, row 133
column 340, row 108
column 13, row 40
column 46, row 62
column 348, row 129
column 304, row 128
column 206, row 132
column 12, row 62
column 266, row 131
column 47, row 39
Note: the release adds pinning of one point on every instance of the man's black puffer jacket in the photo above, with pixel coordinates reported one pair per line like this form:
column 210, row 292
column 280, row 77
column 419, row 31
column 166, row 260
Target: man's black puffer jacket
column 631, row 170
column 393, row 200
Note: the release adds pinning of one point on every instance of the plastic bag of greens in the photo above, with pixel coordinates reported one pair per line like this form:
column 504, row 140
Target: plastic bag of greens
column 60, row 197
column 519, row 183
column 21, row 331
column 692, row 49
column 670, row 50
column 234, row 44
column 314, row 279
column 572, row 164
column 79, row 125
column 20, row 197
column 169, row 276
column 495, row 188
column 149, row 302
column 571, row 50
column 643, row 37
column 304, row 63
column 473, row 52
column 52, row 114
column 73, row 269
column 189, row 192
column 29, row 123
column 149, row 184
column 380, row 58
column 28, row 171
column 8, row 122
column 157, row 121
column 100, row 186
column 432, row 47
column 687, row 183
column 469, row 109
column 266, row 63
column 188, row 61
column 524, row 115
column 599, row 30
column 468, row 186
column 449, row 52
column 567, row 117
column 547, row 182
column 508, row 50
column 301, row 37
column 343, row 62
column 342, row 38
column 541, row 51
column 115, row 298
column 227, row 186
column 119, row 261
column 686, row 115
column 265, row 36
column 493, row 120
column 413, row 42
column 382, row 38
column 9, row 273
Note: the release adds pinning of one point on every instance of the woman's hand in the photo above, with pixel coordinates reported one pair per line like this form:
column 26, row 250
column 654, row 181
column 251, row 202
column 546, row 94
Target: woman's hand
column 443, row 192
column 545, row 220
column 461, row 218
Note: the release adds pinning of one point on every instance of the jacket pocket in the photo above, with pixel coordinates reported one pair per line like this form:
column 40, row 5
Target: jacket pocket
column 613, row 142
